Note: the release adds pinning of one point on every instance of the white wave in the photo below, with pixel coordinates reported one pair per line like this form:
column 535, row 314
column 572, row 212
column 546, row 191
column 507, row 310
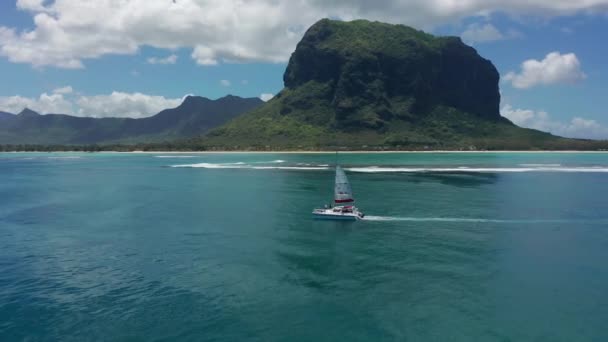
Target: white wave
column 175, row 156
column 540, row 165
column 241, row 165
column 66, row 157
column 379, row 169
column 278, row 161
column 205, row 165
column 376, row 169
column 289, row 168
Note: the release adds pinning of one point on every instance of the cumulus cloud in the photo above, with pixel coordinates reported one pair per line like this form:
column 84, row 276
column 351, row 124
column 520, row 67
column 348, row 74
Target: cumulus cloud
column 116, row 104
column 119, row 104
column 555, row 68
column 171, row 59
column 481, row 33
column 63, row 90
column 266, row 96
column 67, row 32
column 31, row 5
column 577, row 127
column 45, row 103
column 225, row 83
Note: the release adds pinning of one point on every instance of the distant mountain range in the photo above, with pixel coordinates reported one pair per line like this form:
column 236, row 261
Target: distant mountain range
column 195, row 116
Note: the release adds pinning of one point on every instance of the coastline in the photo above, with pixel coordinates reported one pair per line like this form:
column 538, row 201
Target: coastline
column 348, row 152
column 311, row 152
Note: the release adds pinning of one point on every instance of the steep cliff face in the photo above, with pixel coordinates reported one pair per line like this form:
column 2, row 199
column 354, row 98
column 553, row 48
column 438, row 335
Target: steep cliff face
column 365, row 85
column 374, row 72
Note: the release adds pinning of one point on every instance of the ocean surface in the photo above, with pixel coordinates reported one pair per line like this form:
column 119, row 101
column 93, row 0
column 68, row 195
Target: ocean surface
column 222, row 247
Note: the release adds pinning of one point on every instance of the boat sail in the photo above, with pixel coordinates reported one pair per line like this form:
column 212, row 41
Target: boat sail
column 343, row 194
column 342, row 190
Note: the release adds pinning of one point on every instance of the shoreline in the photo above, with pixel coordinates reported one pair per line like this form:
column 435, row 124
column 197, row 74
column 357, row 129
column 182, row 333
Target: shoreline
column 309, row 152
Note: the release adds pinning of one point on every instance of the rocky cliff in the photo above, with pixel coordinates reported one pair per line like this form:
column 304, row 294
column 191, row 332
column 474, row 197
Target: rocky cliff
column 371, row 85
column 374, row 72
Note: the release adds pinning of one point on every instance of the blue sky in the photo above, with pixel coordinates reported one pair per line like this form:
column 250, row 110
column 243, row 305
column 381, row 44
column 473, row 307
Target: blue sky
column 134, row 58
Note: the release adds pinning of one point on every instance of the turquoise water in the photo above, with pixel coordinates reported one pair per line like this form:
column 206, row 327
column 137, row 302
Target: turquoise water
column 222, row 247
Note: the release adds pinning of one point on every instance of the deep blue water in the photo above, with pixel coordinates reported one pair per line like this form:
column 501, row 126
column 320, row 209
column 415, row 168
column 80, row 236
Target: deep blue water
column 222, row 247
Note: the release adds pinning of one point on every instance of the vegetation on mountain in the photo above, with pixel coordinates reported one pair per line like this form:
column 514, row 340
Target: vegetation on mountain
column 371, row 85
column 195, row 116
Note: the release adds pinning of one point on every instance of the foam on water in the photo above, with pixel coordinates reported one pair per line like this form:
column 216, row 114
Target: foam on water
column 65, row 157
column 175, row 156
column 540, row 165
column 465, row 169
column 241, row 165
column 278, row 161
column 480, row 220
column 399, row 169
column 426, row 219
column 289, row 168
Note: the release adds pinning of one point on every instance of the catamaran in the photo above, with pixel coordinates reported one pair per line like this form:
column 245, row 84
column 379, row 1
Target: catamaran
column 343, row 195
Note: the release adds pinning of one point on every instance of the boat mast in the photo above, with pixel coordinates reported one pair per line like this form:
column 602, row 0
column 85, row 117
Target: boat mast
column 333, row 198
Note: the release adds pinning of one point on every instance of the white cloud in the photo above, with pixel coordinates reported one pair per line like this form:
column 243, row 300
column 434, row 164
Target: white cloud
column 477, row 33
column 577, row 127
column 116, row 104
column 31, row 5
column 45, row 103
column 244, row 82
column 119, row 104
column 171, row 59
column 481, row 33
column 67, row 32
column 555, row 68
column 566, row 30
column 266, row 96
column 63, row 90
column 225, row 83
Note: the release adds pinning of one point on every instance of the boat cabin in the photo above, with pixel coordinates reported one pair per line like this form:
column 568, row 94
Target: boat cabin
column 343, row 209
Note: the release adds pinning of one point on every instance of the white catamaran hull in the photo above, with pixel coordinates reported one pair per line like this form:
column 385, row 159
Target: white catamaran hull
column 332, row 214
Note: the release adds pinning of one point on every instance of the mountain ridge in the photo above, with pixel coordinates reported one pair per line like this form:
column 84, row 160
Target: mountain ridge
column 194, row 116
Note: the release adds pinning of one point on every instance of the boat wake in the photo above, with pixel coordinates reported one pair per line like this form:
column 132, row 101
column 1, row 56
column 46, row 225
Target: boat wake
column 480, row 220
column 427, row 219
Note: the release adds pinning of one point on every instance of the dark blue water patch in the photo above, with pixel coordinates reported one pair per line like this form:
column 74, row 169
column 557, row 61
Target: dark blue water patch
column 42, row 214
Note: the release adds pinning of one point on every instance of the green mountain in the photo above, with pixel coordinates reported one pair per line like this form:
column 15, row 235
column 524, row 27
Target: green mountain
column 196, row 115
column 370, row 85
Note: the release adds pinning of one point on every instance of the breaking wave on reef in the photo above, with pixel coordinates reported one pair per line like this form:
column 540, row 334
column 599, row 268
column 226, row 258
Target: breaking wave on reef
column 400, row 169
